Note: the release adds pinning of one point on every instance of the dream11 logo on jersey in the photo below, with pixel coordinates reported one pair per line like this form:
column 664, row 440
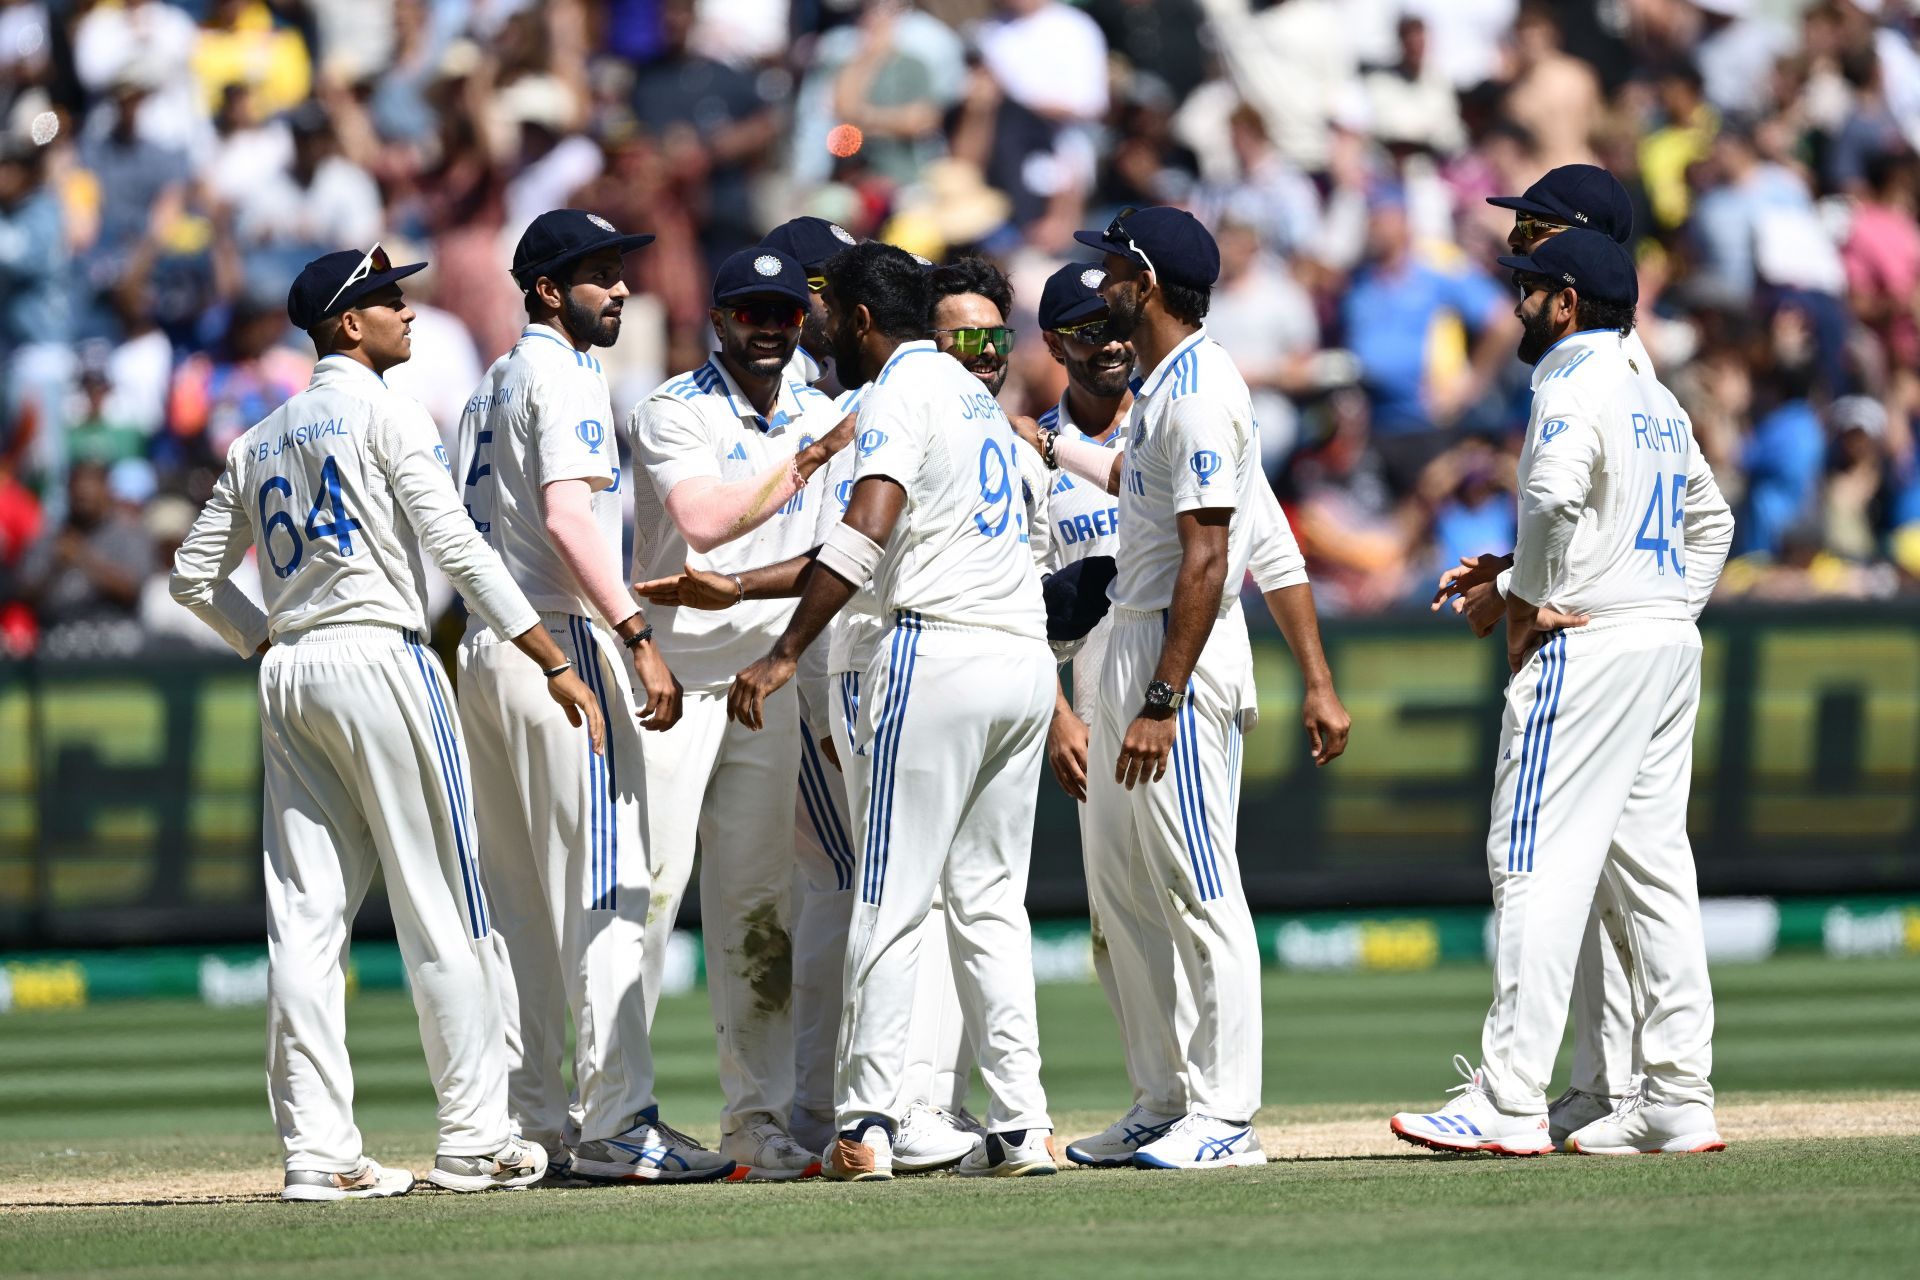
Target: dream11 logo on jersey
column 1206, row 465
column 591, row 434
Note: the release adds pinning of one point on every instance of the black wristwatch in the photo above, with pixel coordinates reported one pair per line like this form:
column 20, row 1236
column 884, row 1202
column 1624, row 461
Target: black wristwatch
column 1162, row 696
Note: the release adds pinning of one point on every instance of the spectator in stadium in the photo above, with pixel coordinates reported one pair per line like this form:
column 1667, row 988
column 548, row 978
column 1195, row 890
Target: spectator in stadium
column 1553, row 95
column 87, row 572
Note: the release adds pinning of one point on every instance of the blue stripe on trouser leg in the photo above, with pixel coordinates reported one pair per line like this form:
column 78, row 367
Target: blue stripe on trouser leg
column 904, row 648
column 1559, row 643
column 1193, row 801
column 464, row 816
column 594, row 834
column 610, row 866
column 1183, row 793
column 475, row 920
column 1552, row 660
column 1526, row 766
column 815, row 792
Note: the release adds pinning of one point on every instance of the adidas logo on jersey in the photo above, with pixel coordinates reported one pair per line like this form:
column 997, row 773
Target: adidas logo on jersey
column 739, row 453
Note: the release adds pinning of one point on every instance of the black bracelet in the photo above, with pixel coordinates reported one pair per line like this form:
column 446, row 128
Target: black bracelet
column 639, row 637
column 556, row 672
column 1048, row 439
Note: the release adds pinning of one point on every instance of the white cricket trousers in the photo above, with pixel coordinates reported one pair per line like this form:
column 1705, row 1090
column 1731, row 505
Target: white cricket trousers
column 730, row 791
column 822, row 907
column 566, row 868
column 1163, row 879
column 1606, row 1034
column 953, row 721
column 365, row 769
column 1590, row 808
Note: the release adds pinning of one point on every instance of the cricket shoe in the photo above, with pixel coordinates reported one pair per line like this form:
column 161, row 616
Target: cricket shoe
column 1574, row 1110
column 1472, row 1123
column 811, row 1129
column 931, row 1139
column 369, row 1182
column 1018, row 1153
column 765, row 1153
column 863, row 1153
column 1640, row 1126
column 648, row 1152
column 517, row 1164
column 1116, row 1144
column 1202, row 1142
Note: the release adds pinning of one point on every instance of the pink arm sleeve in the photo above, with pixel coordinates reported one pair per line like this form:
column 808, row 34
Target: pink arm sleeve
column 709, row 513
column 1091, row 462
column 576, row 537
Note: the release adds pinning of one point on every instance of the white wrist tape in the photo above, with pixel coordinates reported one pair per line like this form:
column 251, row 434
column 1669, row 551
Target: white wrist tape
column 849, row 553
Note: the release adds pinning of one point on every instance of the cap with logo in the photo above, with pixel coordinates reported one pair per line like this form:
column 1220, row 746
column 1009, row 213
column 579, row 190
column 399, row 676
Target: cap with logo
column 560, row 236
column 1594, row 265
column 1170, row 242
column 1579, row 195
column 1072, row 294
column 333, row 282
column 759, row 272
column 808, row 241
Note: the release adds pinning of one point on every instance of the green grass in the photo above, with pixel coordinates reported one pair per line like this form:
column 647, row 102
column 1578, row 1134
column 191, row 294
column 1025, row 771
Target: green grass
column 130, row 1093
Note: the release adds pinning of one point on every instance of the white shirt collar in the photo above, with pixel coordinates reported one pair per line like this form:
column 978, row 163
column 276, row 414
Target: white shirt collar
column 1574, row 346
column 786, row 403
column 1151, row 382
column 335, row 367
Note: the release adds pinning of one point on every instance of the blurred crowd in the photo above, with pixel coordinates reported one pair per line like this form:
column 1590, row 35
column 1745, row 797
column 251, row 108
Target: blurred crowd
column 165, row 168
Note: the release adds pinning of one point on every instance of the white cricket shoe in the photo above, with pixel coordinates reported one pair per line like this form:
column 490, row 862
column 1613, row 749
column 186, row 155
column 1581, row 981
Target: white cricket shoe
column 1202, row 1142
column 1472, row 1123
column 648, row 1152
column 369, row 1182
column 1116, row 1144
column 811, row 1129
column 1640, row 1126
column 765, row 1153
column 863, row 1153
column 517, row 1164
column 1573, row 1110
column 930, row 1139
column 1020, row 1153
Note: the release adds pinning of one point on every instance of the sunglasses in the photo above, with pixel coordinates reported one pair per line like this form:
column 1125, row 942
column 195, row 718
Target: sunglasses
column 971, row 342
column 1092, row 332
column 1530, row 285
column 1529, row 228
column 768, row 315
column 816, row 283
column 376, row 260
column 1117, row 234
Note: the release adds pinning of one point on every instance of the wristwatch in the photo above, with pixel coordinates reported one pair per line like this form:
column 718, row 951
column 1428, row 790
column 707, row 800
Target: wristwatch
column 1162, row 696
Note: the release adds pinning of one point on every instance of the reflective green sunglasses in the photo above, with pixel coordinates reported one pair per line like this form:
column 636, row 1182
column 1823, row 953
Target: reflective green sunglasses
column 972, row 341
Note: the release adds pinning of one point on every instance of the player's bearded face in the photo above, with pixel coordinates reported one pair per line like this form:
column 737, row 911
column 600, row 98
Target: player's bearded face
column 1099, row 370
column 844, row 339
column 1124, row 306
column 761, row 343
column 1539, row 329
column 590, row 308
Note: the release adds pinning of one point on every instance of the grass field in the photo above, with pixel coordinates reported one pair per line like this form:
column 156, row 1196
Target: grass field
column 141, row 1147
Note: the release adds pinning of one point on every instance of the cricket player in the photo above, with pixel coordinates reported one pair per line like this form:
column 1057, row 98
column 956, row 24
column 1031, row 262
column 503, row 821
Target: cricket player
column 1605, row 1061
column 1176, row 687
column 1622, row 535
column 1086, row 536
column 952, row 713
column 340, row 490
column 724, row 454
column 565, row 852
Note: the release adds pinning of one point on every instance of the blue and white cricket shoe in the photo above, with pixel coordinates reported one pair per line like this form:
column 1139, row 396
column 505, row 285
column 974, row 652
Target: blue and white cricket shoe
column 648, row 1152
column 1471, row 1122
column 1115, row 1145
column 1202, row 1142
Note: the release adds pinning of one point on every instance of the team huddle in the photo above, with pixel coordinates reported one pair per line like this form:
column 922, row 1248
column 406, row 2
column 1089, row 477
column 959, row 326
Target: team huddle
column 832, row 669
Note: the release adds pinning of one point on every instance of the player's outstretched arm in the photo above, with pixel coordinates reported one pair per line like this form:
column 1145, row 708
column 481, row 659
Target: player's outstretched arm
column 709, row 513
column 842, row 566
column 693, row 588
column 1096, row 464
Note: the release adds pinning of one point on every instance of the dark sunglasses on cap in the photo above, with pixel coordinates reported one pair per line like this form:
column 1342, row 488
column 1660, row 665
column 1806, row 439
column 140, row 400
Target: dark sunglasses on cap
column 1117, row 234
column 972, row 341
column 1092, row 332
column 1529, row 228
column 816, row 283
column 375, row 260
column 1528, row 285
column 768, row 315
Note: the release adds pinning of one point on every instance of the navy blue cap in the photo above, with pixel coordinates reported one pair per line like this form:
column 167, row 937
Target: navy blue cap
column 1597, row 266
column 1076, row 596
column 333, row 282
column 809, row 241
column 759, row 272
column 1072, row 294
column 1170, row 241
column 1579, row 195
column 560, row 236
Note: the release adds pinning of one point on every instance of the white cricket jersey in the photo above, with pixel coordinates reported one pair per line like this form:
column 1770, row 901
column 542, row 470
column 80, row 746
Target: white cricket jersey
column 540, row 415
column 1619, row 513
column 1191, row 443
column 960, row 553
column 701, row 425
column 856, row 631
column 339, row 490
column 1085, row 522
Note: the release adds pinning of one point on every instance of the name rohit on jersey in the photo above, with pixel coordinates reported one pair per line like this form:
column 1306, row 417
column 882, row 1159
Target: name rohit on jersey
column 304, row 434
column 1661, row 435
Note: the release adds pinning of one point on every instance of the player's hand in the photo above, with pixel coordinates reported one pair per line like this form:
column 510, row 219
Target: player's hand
column 1529, row 626
column 1067, row 752
column 1027, row 429
column 831, row 752
column 571, row 692
column 747, row 699
column 1144, row 751
column 815, row 455
column 1473, row 588
column 692, row 588
column 661, row 688
column 1327, row 724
